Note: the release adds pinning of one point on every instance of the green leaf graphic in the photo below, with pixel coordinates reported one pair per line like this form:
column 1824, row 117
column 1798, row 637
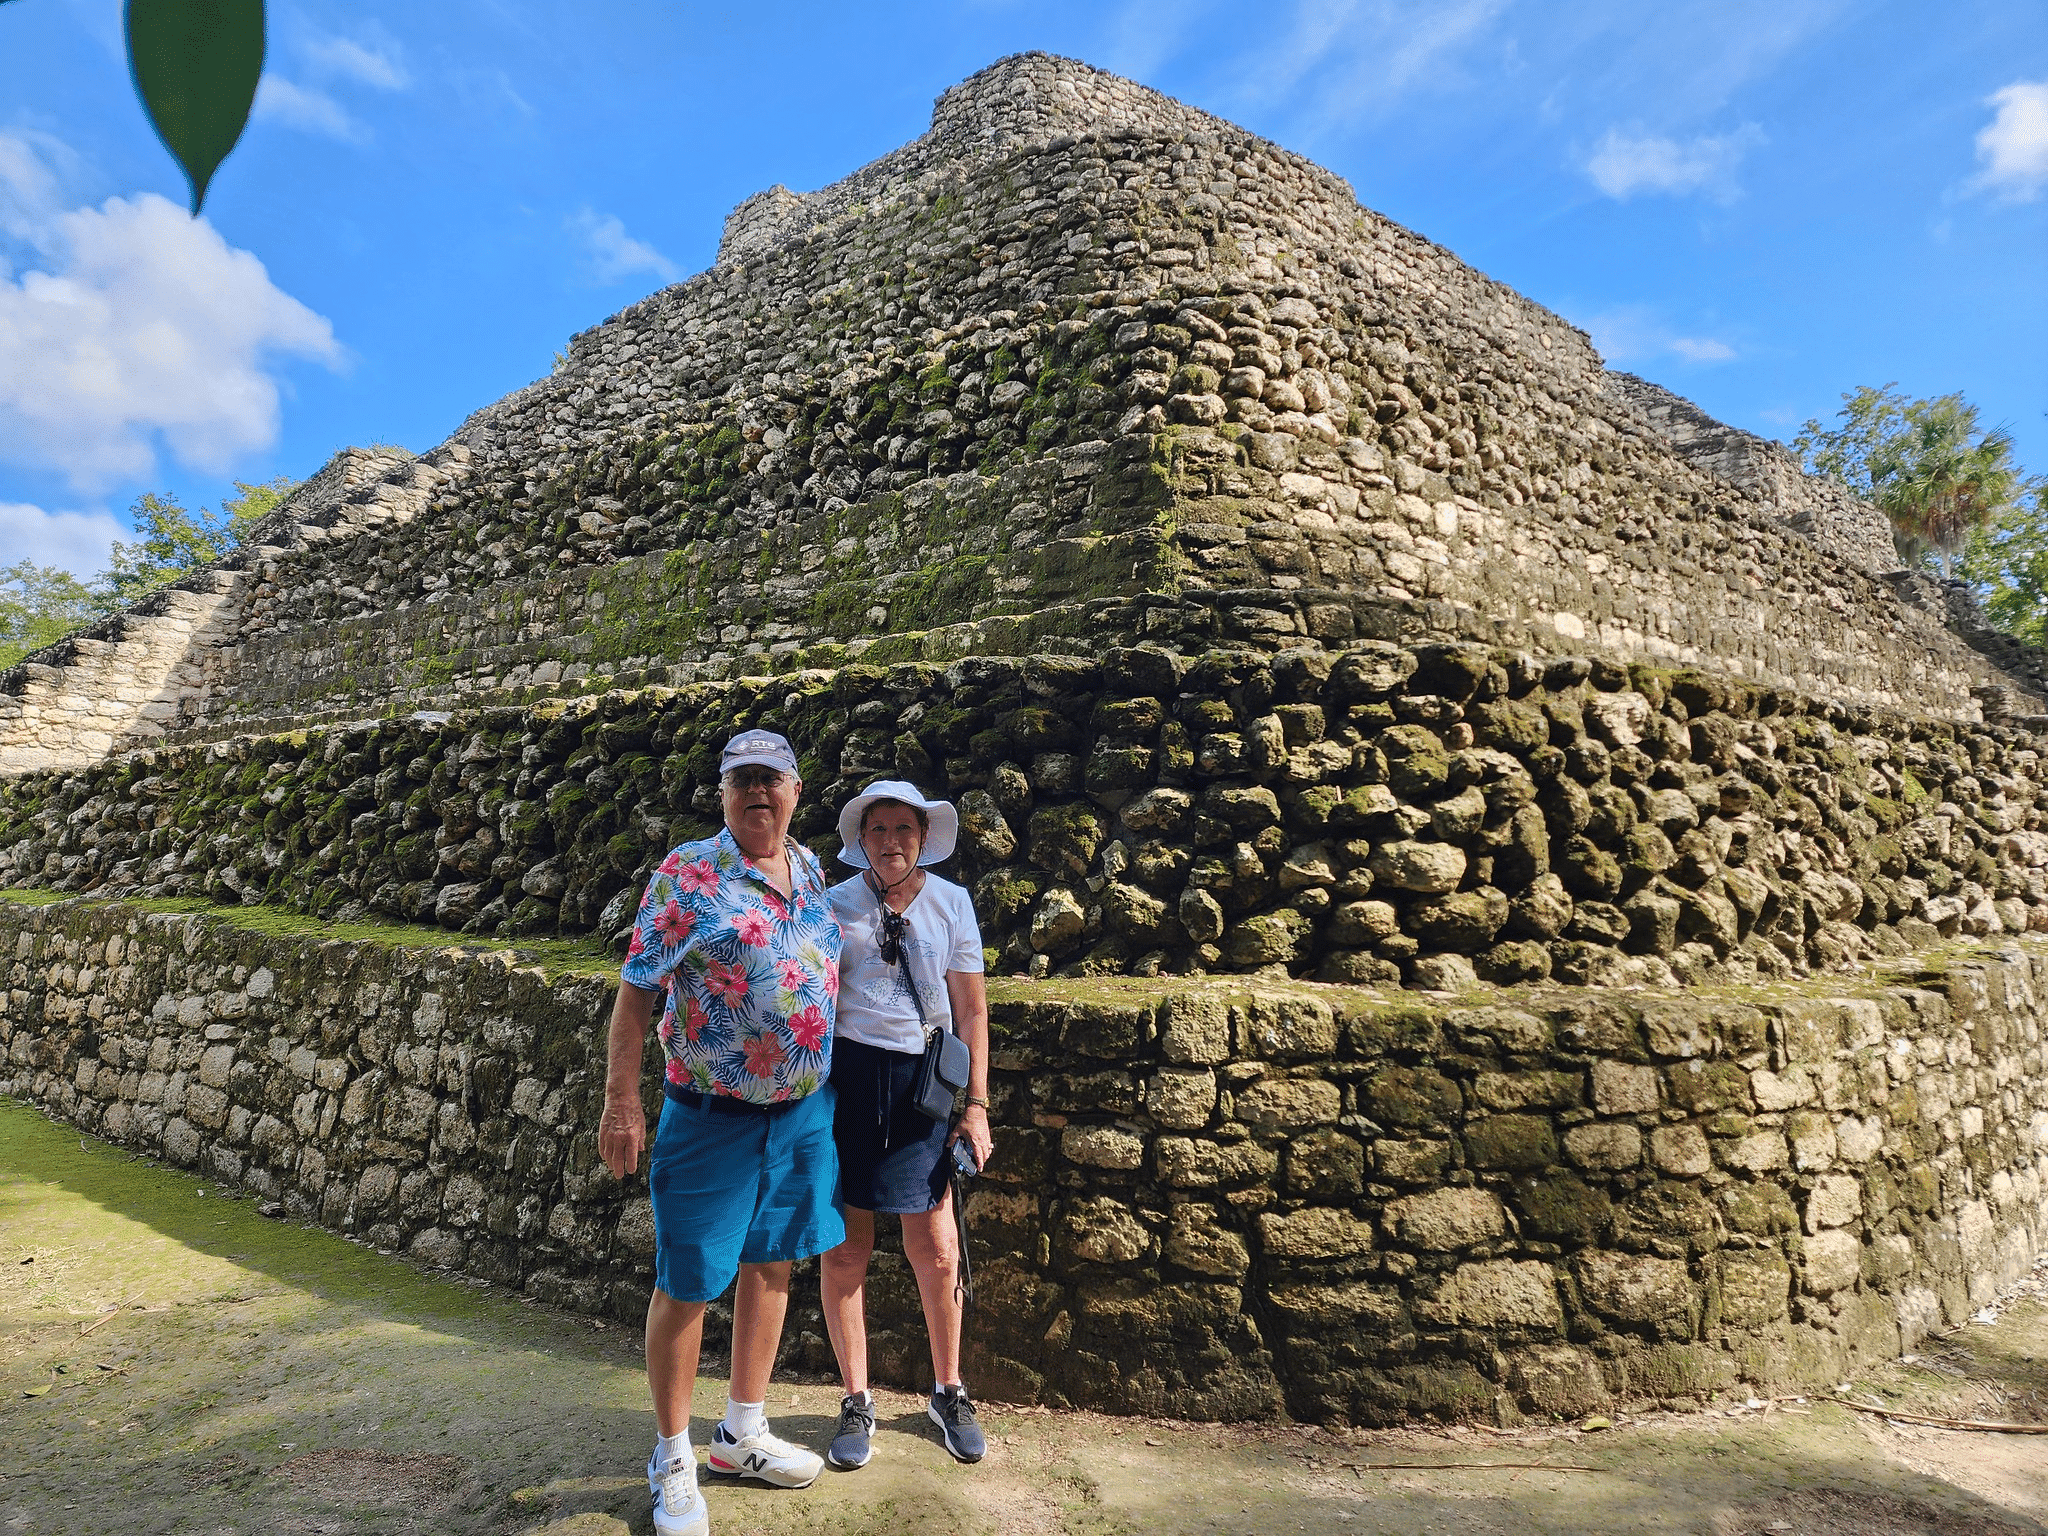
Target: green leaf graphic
column 196, row 64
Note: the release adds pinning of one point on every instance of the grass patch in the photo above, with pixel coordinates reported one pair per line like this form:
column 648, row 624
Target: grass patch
column 555, row 957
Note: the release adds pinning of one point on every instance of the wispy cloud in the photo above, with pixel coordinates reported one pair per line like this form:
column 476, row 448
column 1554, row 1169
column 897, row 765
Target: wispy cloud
column 78, row 542
column 612, row 253
column 1625, row 165
column 1342, row 62
column 2012, row 149
column 1635, row 334
column 306, row 108
column 135, row 325
column 374, row 61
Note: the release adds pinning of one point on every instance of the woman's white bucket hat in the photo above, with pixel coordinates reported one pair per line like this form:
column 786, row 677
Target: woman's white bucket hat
column 938, row 842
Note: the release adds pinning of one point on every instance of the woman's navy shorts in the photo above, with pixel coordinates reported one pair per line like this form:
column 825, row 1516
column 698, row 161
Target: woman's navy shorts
column 891, row 1154
column 746, row 1187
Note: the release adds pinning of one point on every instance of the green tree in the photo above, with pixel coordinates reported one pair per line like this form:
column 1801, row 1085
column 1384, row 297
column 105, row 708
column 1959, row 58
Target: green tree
column 175, row 541
column 1928, row 465
column 40, row 604
column 2007, row 562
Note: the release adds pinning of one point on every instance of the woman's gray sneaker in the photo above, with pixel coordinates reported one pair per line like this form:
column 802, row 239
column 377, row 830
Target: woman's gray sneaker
column 852, row 1446
column 954, row 1415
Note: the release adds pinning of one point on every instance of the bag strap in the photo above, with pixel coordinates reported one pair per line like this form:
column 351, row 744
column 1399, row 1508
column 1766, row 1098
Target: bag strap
column 924, row 1023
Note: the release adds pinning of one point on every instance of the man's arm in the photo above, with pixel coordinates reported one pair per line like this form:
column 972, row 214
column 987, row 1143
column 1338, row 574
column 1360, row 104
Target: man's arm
column 622, row 1128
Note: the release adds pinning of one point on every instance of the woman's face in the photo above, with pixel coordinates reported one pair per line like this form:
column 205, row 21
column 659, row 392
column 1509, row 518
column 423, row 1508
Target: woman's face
column 892, row 839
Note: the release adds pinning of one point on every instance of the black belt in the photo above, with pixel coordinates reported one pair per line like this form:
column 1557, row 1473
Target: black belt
column 723, row 1103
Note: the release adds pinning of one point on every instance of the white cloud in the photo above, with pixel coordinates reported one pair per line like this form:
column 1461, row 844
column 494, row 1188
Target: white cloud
column 304, row 107
column 378, row 62
column 78, row 542
column 1623, row 165
column 1342, row 61
column 1634, row 334
column 2013, row 146
column 1702, row 349
column 136, row 326
column 613, row 253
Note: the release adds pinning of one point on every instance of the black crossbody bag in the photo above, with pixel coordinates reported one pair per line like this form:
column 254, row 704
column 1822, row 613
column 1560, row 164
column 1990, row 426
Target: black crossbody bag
column 942, row 1069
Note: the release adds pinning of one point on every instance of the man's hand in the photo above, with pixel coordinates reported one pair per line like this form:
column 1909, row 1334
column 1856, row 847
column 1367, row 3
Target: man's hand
column 621, row 1136
column 622, row 1127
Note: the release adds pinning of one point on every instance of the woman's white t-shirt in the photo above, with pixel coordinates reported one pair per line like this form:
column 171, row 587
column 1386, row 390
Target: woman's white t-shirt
column 940, row 935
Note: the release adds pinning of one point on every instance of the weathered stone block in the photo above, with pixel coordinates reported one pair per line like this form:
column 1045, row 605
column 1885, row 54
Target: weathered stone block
column 1622, row 1089
column 1277, row 1104
column 1514, row 1142
column 1681, row 1150
column 1445, row 1220
column 1181, row 1099
column 1502, row 1293
column 1638, row 1290
column 1830, row 1262
column 1314, row 1234
column 1604, row 1147
column 1101, row 1146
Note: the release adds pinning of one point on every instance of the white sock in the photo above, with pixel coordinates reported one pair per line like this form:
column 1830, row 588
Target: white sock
column 866, row 1397
column 668, row 1448
column 744, row 1419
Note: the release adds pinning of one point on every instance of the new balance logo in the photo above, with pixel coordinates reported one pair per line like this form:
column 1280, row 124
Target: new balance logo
column 756, row 1461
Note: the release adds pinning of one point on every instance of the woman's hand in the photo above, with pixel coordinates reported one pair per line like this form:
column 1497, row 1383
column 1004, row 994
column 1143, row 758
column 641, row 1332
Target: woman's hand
column 973, row 1127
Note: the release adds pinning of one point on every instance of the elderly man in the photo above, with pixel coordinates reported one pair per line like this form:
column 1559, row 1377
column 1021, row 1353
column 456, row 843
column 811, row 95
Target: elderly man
column 739, row 932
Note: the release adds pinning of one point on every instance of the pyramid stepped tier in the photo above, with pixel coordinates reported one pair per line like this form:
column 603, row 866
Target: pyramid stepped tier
column 1081, row 363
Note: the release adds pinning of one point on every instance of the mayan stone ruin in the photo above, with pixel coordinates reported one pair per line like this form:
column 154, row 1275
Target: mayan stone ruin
column 1502, row 897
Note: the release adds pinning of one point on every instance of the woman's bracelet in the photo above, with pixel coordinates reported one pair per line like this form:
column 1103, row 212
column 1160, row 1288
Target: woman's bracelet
column 976, row 1102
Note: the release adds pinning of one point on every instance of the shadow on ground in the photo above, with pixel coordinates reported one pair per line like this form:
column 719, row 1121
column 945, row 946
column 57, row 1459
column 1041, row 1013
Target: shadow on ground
column 172, row 1362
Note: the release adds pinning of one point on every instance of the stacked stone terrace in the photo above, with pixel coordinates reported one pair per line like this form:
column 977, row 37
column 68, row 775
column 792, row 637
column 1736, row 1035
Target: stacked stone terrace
column 1080, row 360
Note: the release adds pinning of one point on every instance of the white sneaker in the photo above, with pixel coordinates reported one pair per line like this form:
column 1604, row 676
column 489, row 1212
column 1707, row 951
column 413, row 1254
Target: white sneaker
column 763, row 1456
column 678, row 1507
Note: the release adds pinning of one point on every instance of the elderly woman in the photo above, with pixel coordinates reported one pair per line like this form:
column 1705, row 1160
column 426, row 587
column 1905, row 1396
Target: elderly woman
column 911, row 960
column 737, row 930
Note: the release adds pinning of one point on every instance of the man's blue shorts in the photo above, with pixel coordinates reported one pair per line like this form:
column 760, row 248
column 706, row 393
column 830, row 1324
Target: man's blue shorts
column 740, row 1188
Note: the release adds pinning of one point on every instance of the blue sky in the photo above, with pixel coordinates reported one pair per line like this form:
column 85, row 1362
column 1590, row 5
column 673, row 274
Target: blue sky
column 1758, row 203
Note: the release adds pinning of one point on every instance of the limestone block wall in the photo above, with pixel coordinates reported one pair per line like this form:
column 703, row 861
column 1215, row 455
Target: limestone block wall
column 1427, row 813
column 145, row 673
column 1212, row 1200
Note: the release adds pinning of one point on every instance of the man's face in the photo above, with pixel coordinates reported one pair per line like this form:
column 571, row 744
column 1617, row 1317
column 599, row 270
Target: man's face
column 759, row 803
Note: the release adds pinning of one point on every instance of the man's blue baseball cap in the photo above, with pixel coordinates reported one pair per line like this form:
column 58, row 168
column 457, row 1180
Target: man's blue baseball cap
column 759, row 747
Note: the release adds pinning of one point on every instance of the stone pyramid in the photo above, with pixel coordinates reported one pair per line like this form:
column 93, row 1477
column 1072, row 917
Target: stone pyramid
column 1089, row 457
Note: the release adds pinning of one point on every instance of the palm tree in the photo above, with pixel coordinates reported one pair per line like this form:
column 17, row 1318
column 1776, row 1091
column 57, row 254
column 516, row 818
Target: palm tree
column 1940, row 478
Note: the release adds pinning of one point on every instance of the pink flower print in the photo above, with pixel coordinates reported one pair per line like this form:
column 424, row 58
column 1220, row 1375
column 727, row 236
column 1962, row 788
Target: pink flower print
column 807, row 1027
column 831, row 981
column 753, row 927
column 673, row 923
column 792, row 975
column 697, row 879
column 777, row 904
column 764, row 1054
column 694, row 1020
column 670, row 866
column 677, row 1074
column 726, row 981
column 666, row 1029
column 637, row 945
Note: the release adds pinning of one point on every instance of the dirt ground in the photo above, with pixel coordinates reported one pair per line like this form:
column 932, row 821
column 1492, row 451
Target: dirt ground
column 171, row 1361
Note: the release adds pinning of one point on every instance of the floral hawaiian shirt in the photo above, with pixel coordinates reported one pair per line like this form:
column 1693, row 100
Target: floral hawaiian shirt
column 752, row 978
